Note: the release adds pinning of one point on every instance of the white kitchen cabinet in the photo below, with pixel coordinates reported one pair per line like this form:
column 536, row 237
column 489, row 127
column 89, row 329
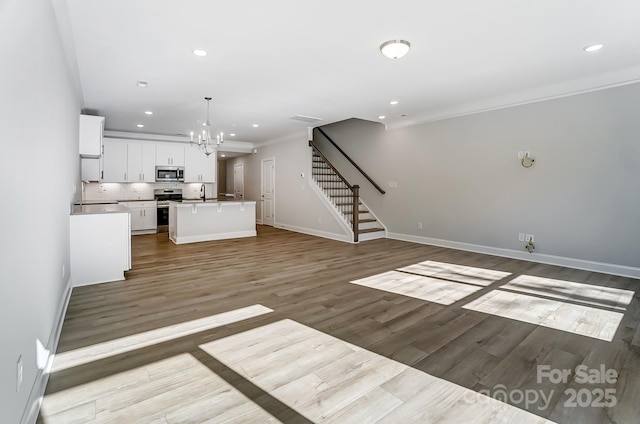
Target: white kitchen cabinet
column 90, row 169
column 171, row 154
column 144, row 217
column 141, row 162
column 198, row 167
column 90, row 136
column 114, row 161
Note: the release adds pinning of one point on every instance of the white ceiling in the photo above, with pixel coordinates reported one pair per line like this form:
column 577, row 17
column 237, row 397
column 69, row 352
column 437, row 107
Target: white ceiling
column 270, row 60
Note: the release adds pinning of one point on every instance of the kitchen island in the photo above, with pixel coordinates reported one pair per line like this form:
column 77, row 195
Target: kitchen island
column 192, row 221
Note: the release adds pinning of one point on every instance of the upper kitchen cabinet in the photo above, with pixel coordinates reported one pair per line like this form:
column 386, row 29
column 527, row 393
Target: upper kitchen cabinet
column 114, row 161
column 141, row 162
column 171, row 154
column 90, row 136
column 198, row 167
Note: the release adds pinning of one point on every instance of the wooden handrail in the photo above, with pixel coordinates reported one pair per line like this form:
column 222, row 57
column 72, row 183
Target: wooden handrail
column 350, row 160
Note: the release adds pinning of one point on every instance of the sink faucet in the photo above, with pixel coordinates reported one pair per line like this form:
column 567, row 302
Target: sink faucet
column 202, row 193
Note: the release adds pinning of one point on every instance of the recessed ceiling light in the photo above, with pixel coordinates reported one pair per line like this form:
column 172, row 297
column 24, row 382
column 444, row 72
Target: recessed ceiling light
column 140, row 126
column 395, row 49
column 393, row 102
column 142, row 83
column 199, row 52
column 593, row 47
column 223, row 155
column 381, row 116
column 148, row 112
column 255, row 125
column 232, row 134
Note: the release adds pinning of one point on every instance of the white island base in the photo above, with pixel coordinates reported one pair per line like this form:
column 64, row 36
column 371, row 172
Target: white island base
column 194, row 221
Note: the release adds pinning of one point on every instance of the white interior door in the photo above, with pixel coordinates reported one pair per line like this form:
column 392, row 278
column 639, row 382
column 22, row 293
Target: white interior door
column 268, row 191
column 238, row 181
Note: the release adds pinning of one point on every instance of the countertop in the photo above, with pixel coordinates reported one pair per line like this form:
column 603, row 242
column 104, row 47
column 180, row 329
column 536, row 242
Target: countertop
column 109, row 202
column 99, row 209
column 188, row 202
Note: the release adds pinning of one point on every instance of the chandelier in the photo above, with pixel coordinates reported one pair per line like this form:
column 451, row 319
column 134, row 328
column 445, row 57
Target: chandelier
column 206, row 142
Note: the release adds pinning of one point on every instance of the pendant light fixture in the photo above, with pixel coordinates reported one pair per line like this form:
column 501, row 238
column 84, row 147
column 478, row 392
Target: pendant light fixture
column 206, row 143
column 395, row 49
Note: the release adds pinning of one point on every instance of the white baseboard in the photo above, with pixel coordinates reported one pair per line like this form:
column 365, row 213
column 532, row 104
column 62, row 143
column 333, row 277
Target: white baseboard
column 312, row 232
column 621, row 270
column 211, row 237
column 30, row 414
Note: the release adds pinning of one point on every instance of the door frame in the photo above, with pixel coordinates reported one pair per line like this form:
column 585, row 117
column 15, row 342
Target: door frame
column 272, row 159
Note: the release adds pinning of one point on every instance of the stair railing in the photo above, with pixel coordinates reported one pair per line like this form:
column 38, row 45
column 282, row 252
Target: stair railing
column 354, row 189
column 321, row 131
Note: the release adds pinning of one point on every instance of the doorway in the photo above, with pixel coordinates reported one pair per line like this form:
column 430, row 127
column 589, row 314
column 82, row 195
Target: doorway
column 268, row 191
column 238, row 181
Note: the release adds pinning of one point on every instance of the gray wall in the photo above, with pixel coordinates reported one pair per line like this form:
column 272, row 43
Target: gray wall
column 39, row 130
column 298, row 207
column 461, row 177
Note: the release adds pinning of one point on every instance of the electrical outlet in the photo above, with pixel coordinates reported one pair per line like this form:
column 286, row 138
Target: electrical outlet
column 520, row 154
column 393, row 184
column 520, row 236
column 528, row 238
column 19, row 374
column 419, row 225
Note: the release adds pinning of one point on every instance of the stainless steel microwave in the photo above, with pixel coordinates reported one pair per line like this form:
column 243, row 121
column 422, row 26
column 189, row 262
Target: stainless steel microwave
column 169, row 173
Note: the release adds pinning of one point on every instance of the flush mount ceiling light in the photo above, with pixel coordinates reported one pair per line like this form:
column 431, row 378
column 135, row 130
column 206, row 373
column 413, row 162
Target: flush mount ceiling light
column 381, row 116
column 393, row 102
column 142, row 83
column 140, row 126
column 199, row 52
column 395, row 49
column 593, row 47
column 148, row 112
column 255, row 125
column 206, row 143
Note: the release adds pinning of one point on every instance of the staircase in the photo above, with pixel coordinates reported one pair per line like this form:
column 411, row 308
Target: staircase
column 345, row 198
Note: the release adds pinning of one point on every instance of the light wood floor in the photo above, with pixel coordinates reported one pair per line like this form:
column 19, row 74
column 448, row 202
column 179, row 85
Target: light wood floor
column 292, row 328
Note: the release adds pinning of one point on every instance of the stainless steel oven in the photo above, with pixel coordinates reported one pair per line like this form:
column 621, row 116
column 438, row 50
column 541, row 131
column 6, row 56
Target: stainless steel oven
column 163, row 196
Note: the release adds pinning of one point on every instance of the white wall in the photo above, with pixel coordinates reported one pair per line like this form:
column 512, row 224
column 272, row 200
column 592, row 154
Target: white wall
column 39, row 109
column 461, row 177
column 298, row 206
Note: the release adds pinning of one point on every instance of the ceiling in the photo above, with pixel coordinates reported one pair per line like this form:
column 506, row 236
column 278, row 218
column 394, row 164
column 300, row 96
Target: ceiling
column 271, row 60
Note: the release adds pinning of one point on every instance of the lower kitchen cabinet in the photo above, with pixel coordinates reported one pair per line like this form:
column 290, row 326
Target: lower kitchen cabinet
column 144, row 217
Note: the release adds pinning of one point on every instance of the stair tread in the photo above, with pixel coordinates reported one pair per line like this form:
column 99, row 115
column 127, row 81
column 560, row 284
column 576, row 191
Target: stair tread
column 370, row 230
column 367, row 220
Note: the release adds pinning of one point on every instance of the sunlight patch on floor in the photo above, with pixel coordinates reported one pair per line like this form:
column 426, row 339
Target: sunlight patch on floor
column 432, row 281
column 607, row 297
column 179, row 389
column 584, row 320
column 329, row 380
column 419, row 287
column 85, row 355
column 455, row 272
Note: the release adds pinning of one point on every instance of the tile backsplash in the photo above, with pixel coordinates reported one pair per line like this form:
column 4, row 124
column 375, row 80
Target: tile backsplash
column 140, row 191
